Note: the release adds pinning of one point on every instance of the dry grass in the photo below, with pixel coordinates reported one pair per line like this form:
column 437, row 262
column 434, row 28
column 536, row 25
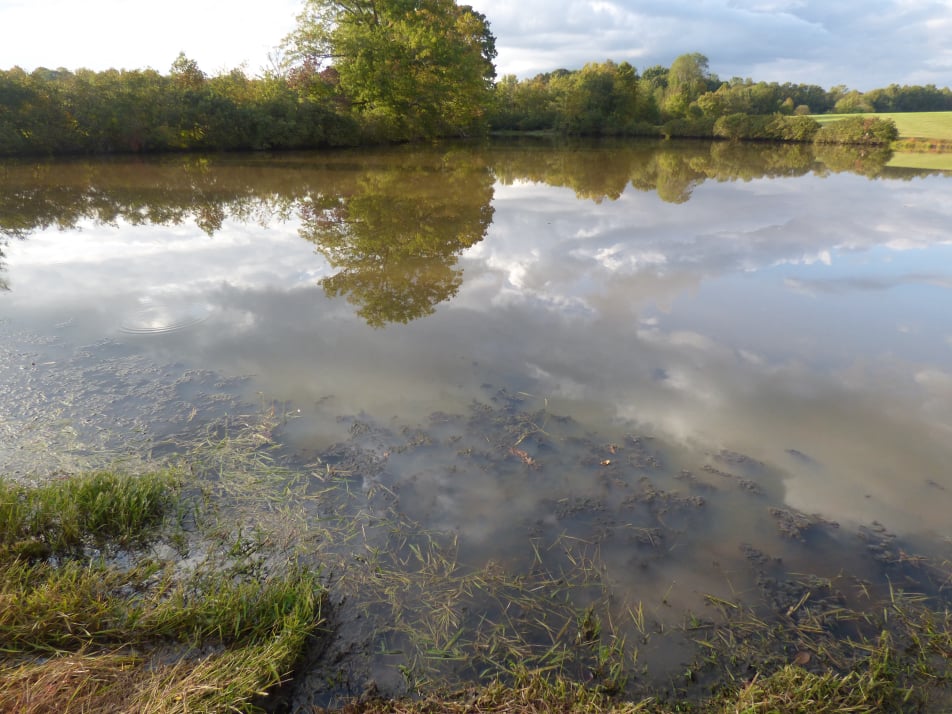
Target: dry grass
column 119, row 682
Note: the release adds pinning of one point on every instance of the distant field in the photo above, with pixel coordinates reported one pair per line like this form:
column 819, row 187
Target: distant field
column 924, row 125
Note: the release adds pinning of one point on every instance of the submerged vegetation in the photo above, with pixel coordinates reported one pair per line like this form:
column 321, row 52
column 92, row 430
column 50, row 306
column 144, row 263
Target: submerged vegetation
column 199, row 586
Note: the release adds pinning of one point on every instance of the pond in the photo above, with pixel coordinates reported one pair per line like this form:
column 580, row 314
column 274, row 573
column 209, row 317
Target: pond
column 654, row 376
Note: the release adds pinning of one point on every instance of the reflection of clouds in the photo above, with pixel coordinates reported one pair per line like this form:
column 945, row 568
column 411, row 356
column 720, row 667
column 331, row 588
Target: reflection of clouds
column 936, row 385
column 752, row 370
column 822, row 257
column 936, row 381
column 679, row 318
column 873, row 436
column 615, row 258
column 514, row 269
column 834, row 286
column 162, row 316
column 169, row 255
column 149, row 278
column 607, row 254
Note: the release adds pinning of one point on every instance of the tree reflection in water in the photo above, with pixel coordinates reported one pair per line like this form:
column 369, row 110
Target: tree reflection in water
column 395, row 240
column 391, row 222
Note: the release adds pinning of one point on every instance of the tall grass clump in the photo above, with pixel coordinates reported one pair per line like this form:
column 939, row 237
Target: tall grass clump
column 92, row 619
column 62, row 516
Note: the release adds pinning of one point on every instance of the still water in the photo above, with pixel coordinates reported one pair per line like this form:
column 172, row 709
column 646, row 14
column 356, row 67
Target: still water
column 670, row 351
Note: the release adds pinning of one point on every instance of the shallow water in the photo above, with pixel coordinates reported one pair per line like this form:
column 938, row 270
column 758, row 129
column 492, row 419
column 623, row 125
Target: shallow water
column 663, row 354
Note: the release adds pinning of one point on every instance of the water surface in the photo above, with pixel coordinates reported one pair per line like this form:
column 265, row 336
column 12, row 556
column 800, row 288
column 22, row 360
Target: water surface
column 657, row 349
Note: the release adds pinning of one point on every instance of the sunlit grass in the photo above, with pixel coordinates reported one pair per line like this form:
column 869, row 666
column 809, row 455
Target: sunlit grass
column 228, row 681
column 81, row 630
column 911, row 125
column 923, row 160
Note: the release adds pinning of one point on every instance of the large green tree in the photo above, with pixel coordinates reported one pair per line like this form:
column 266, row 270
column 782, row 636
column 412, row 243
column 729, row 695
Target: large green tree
column 411, row 68
column 687, row 79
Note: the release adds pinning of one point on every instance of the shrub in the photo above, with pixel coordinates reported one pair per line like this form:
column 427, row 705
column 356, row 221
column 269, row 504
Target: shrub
column 868, row 131
column 795, row 128
column 776, row 127
column 699, row 128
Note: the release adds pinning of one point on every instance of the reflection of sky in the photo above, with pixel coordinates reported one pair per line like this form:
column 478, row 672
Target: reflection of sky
column 803, row 314
column 770, row 317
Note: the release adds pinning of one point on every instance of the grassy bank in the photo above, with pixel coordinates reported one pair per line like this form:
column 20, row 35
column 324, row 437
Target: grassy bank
column 94, row 618
column 161, row 593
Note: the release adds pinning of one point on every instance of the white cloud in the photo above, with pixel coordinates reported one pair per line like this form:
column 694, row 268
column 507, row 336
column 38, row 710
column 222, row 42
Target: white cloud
column 802, row 41
column 100, row 34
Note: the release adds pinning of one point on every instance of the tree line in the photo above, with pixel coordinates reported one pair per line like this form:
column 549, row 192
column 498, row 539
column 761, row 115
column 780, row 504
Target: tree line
column 686, row 99
column 121, row 111
column 377, row 71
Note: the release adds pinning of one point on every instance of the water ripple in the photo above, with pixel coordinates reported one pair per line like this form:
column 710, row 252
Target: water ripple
column 161, row 317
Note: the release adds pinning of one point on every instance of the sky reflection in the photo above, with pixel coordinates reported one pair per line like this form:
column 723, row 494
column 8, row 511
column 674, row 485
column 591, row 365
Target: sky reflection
column 799, row 320
column 767, row 317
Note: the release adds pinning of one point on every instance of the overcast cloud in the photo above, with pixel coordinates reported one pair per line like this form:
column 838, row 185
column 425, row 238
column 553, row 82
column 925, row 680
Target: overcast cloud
column 863, row 45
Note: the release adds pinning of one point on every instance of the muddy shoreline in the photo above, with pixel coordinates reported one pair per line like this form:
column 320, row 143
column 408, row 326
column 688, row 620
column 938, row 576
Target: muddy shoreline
column 477, row 546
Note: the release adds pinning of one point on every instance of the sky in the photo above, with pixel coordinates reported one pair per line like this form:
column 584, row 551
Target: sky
column 862, row 45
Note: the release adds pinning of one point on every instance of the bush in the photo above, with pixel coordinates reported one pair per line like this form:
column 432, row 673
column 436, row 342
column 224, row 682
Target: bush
column 867, row 131
column 795, row 128
column 699, row 128
column 776, row 127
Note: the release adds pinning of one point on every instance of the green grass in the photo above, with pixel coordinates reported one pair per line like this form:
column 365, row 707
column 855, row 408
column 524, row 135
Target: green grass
column 938, row 161
column 91, row 621
column 76, row 605
column 62, row 516
column 925, row 138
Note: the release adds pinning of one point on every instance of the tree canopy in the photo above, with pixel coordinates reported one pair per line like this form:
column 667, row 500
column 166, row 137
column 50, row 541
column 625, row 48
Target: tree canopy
column 410, row 68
